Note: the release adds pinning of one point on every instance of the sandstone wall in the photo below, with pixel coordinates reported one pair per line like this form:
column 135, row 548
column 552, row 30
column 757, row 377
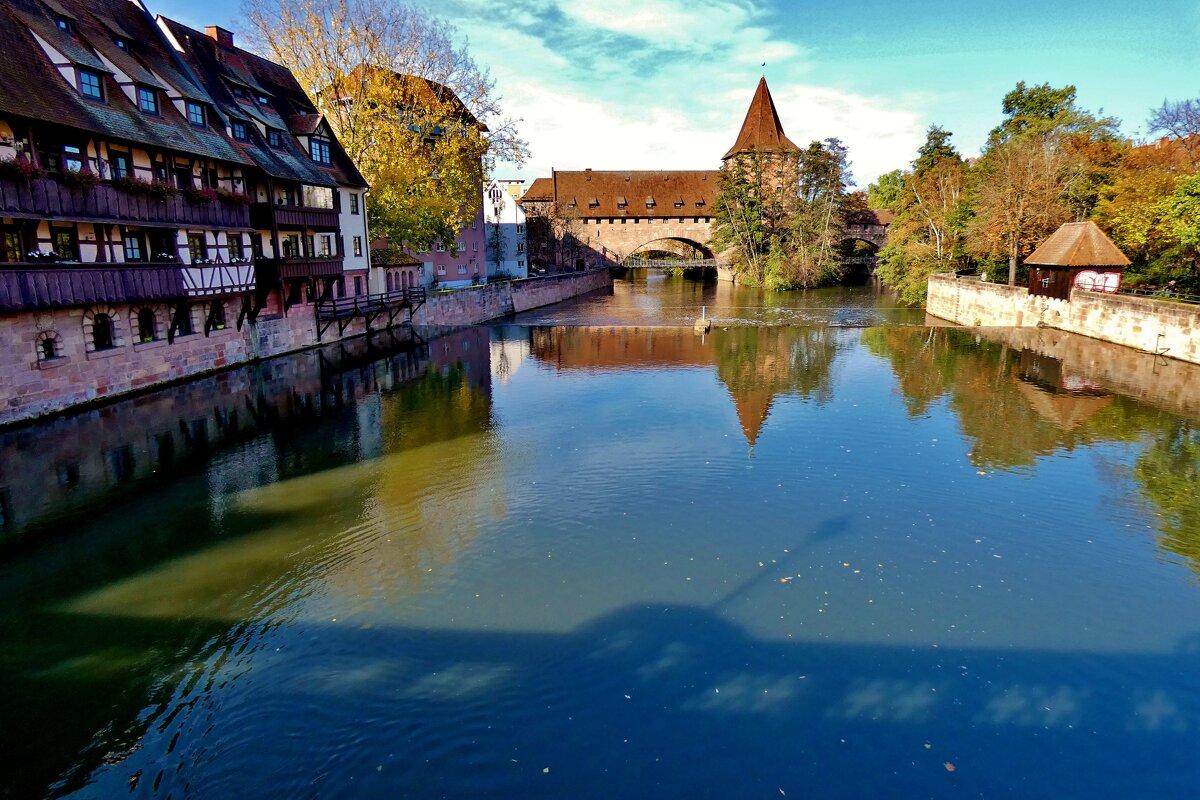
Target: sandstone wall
column 1142, row 323
column 30, row 387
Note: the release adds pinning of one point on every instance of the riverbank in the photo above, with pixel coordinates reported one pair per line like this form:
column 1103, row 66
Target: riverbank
column 1152, row 326
column 36, row 386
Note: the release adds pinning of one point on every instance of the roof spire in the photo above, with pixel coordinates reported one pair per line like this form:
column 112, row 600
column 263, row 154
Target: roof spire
column 761, row 130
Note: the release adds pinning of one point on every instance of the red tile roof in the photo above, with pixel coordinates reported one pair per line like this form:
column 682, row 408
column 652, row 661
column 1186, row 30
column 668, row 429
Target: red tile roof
column 602, row 193
column 761, row 130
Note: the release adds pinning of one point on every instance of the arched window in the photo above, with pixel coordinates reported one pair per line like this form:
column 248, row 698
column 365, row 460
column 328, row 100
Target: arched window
column 389, row 281
column 147, row 325
column 412, row 278
column 102, row 332
column 49, row 346
column 216, row 315
column 404, row 279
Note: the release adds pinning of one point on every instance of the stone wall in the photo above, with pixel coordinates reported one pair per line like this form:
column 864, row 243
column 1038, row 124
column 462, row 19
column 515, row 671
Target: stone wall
column 1142, row 323
column 31, row 387
column 491, row 301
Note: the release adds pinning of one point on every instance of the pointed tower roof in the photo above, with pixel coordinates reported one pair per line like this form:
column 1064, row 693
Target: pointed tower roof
column 762, row 130
column 1078, row 244
column 752, row 408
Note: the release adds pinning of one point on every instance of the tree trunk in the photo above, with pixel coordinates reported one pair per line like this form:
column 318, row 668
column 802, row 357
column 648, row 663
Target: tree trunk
column 1012, row 265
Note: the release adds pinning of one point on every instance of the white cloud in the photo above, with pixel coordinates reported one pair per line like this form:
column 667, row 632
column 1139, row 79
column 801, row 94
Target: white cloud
column 675, row 101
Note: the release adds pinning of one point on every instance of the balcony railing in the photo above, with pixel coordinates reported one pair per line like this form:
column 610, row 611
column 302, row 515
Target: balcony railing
column 264, row 216
column 292, row 268
column 46, row 198
column 26, row 287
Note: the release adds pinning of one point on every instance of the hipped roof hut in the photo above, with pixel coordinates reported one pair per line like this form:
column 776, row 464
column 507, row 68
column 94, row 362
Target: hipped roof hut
column 1077, row 254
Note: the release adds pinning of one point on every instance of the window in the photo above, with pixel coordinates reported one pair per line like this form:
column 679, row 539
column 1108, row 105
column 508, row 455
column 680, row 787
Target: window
column 147, row 326
column 358, row 251
column 197, row 247
column 147, row 100
column 441, row 248
column 319, row 150
column 121, row 43
column 462, row 269
column 290, row 245
column 318, row 197
column 237, row 247
column 474, row 247
column 262, row 99
column 475, row 224
column 520, row 263
column 63, row 24
column 183, row 320
column 216, row 315
column 441, row 269
column 353, row 203
column 64, row 243
column 89, row 85
column 102, row 332
column 324, row 246
column 195, row 114
column 48, row 346
column 357, row 285
column 520, row 229
column 118, row 165
column 274, row 139
column 72, row 158
column 239, row 131
column 133, row 247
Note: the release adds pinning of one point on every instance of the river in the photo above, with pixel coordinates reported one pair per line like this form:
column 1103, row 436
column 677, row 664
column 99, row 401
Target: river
column 827, row 549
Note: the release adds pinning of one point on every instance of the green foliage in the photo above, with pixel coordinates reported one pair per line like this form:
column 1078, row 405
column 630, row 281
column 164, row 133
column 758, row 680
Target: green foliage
column 1041, row 110
column 937, row 148
column 885, row 192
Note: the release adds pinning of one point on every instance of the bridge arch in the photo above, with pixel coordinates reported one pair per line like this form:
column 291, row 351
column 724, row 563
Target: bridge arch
column 680, row 246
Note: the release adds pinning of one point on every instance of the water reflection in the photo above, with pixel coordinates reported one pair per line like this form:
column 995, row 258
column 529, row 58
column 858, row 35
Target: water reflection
column 442, row 571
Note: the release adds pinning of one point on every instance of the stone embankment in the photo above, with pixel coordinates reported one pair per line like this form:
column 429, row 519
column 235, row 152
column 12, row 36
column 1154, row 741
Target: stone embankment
column 1153, row 326
column 32, row 389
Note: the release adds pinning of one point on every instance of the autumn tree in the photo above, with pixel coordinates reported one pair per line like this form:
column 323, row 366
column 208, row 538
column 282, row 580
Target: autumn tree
column 1180, row 120
column 413, row 109
column 755, row 193
column 931, row 215
column 886, row 190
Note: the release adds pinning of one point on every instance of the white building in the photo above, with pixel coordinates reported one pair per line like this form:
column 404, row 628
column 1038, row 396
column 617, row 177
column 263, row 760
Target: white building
column 504, row 228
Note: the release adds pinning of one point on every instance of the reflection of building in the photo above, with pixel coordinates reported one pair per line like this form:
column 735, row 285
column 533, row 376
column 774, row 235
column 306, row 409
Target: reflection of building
column 756, row 364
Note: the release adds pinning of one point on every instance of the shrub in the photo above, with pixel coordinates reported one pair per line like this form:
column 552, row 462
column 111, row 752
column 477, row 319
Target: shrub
column 200, row 196
column 20, row 169
column 233, row 198
column 160, row 190
column 79, row 178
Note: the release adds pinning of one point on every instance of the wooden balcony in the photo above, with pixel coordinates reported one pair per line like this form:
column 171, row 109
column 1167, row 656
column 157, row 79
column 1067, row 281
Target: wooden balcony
column 46, row 198
column 25, row 287
column 265, row 216
column 293, row 268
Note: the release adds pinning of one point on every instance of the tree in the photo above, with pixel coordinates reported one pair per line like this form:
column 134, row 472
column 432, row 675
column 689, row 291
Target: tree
column 1019, row 199
column 1181, row 210
column 751, row 189
column 1180, row 120
column 936, row 149
column 1043, row 110
column 885, row 192
column 807, row 253
column 414, row 111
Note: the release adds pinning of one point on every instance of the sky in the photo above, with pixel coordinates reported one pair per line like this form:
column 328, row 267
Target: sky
column 665, row 84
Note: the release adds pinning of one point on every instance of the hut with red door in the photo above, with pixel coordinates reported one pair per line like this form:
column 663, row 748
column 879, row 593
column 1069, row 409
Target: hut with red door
column 1078, row 255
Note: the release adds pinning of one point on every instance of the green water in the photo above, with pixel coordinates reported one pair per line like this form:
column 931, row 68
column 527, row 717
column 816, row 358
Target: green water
column 586, row 554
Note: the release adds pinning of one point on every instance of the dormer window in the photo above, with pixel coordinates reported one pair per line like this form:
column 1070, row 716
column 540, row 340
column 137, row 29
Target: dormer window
column 319, row 150
column 262, row 99
column 274, row 139
column 195, row 114
column 147, row 100
column 63, row 24
column 90, row 86
column 121, row 43
column 239, row 130
column 238, row 92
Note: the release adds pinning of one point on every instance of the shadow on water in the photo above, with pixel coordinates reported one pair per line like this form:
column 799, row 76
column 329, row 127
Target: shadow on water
column 168, row 647
column 657, row 700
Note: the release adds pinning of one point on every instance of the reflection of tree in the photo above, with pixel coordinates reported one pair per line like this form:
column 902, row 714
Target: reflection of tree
column 1168, row 473
column 1011, row 420
column 757, row 364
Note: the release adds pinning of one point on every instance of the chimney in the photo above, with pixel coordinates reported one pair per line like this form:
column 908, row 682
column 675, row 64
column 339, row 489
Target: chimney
column 222, row 36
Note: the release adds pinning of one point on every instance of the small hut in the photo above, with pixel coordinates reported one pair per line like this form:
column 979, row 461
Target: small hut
column 1077, row 255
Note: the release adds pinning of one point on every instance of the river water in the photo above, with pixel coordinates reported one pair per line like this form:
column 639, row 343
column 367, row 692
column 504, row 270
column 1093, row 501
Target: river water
column 587, row 554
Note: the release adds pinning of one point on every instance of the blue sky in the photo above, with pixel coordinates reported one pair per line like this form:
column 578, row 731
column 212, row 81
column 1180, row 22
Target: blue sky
column 639, row 84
